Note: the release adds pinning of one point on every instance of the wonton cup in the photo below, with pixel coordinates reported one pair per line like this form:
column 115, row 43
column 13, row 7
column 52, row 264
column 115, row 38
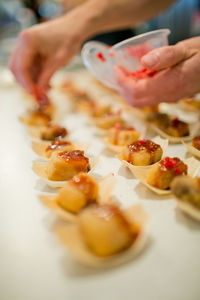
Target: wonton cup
column 71, row 237
column 163, row 144
column 40, row 168
column 186, row 192
column 142, row 174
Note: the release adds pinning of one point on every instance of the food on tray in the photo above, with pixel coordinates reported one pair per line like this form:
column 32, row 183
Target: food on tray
column 191, row 104
column 58, row 146
column 171, row 126
column 187, row 190
column 107, row 121
column 122, row 135
column 78, row 192
column 106, row 230
column 93, row 108
column 75, row 93
column 64, row 165
column 52, row 132
column 36, row 118
column 162, row 173
column 196, row 142
column 142, row 153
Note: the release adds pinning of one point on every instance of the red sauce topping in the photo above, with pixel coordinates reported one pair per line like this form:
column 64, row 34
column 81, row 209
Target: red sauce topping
column 196, row 142
column 100, row 56
column 174, row 164
column 58, row 144
column 52, row 132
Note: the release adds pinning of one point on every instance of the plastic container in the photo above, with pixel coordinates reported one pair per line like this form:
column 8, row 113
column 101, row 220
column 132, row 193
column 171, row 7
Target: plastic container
column 100, row 59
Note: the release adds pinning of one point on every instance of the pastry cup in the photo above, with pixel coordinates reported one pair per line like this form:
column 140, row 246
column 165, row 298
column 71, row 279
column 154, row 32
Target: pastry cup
column 70, row 236
column 175, row 140
column 135, row 169
column 193, row 168
column 39, row 147
column 40, row 168
column 188, row 208
column 106, row 185
column 192, row 150
column 118, row 149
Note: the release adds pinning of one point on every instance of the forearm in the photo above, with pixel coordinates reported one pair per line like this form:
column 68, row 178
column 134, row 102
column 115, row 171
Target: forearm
column 102, row 16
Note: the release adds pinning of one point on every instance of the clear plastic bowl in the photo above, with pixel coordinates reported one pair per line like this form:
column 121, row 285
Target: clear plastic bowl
column 100, row 59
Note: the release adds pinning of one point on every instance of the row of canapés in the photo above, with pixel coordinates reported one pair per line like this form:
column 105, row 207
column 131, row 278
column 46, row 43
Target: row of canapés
column 98, row 230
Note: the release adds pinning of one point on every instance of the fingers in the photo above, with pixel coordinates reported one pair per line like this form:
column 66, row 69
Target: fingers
column 20, row 64
column 166, row 57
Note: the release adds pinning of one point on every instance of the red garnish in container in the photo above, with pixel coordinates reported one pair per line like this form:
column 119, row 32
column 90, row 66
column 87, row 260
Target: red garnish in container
column 143, row 73
column 100, row 56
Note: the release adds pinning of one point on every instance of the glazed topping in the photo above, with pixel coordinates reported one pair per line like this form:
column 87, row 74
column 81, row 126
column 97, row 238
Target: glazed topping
column 196, row 142
column 173, row 164
column 57, row 145
column 85, row 184
column 41, row 114
column 76, row 155
column 148, row 145
column 52, row 132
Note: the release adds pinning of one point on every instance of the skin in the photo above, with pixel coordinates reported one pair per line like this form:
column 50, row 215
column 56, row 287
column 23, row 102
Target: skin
column 43, row 49
column 178, row 75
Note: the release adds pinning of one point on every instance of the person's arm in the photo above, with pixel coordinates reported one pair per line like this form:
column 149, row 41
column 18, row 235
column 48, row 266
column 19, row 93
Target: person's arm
column 44, row 48
column 178, row 75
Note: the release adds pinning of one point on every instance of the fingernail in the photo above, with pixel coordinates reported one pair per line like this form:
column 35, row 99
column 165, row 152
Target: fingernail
column 150, row 60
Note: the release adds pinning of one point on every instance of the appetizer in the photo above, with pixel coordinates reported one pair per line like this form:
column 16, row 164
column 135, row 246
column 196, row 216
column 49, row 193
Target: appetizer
column 196, row 142
column 162, row 173
column 107, row 121
column 64, row 165
column 58, row 146
column 106, row 230
column 190, row 104
column 122, row 135
column 52, row 132
column 187, row 192
column 36, row 118
column 73, row 91
column 78, row 192
column 142, row 153
column 171, row 126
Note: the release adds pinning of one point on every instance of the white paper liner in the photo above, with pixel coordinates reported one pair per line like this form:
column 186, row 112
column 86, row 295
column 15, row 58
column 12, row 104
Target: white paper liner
column 193, row 128
column 39, row 147
column 135, row 169
column 106, row 185
column 71, row 238
column 193, row 169
column 192, row 150
column 40, row 168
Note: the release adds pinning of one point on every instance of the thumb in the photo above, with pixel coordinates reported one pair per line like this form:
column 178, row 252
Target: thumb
column 166, row 57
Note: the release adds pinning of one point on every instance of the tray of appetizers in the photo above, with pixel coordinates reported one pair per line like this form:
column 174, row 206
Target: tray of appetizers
column 102, row 170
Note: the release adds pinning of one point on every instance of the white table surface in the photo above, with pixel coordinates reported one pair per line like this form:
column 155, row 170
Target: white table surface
column 33, row 263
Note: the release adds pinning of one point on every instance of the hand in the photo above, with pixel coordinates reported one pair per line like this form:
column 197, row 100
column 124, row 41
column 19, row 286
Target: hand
column 178, row 76
column 43, row 49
